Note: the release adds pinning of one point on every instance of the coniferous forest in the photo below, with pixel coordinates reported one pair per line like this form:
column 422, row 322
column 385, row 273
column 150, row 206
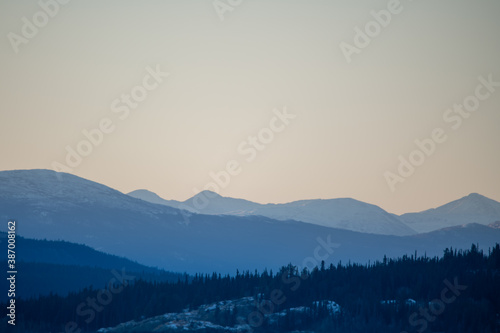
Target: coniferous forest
column 458, row 292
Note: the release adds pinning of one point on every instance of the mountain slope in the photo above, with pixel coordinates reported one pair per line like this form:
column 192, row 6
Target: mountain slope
column 343, row 213
column 81, row 211
column 473, row 208
column 66, row 253
column 60, row 267
column 205, row 202
column 153, row 198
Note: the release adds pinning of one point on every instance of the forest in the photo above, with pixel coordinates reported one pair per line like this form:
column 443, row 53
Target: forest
column 457, row 292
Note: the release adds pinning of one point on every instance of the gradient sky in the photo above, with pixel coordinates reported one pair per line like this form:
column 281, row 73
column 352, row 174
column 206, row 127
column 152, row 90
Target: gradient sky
column 226, row 77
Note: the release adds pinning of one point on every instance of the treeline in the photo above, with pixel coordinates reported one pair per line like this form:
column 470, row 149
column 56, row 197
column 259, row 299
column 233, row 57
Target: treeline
column 459, row 292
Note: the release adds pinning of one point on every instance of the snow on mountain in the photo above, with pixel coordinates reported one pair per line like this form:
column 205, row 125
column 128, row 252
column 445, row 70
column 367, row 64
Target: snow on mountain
column 473, row 208
column 343, row 213
column 205, row 202
column 60, row 206
column 208, row 202
column 495, row 225
column 408, row 302
column 153, row 198
column 45, row 189
column 57, row 206
column 331, row 306
column 207, row 318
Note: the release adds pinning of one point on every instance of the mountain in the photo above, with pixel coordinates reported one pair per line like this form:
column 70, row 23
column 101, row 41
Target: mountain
column 473, row 208
column 342, row 213
column 208, row 202
column 153, row 198
column 59, row 206
column 60, row 267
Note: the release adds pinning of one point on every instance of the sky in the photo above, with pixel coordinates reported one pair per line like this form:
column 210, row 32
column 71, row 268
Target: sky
column 270, row 101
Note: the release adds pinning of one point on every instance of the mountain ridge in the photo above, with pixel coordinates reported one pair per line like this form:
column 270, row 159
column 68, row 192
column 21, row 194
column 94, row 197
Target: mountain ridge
column 79, row 211
column 343, row 213
column 473, row 208
column 468, row 209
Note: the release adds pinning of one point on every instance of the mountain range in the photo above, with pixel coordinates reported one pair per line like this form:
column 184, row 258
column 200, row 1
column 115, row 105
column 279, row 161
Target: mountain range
column 343, row 213
column 59, row 206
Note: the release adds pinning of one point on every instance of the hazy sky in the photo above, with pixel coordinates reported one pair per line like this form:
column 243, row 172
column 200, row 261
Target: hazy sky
column 352, row 120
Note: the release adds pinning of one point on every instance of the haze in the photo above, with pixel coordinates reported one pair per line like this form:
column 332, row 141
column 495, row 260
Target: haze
column 229, row 78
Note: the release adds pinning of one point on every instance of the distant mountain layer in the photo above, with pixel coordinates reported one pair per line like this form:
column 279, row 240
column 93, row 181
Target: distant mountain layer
column 60, row 267
column 473, row 208
column 344, row 213
column 59, row 206
column 66, row 253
